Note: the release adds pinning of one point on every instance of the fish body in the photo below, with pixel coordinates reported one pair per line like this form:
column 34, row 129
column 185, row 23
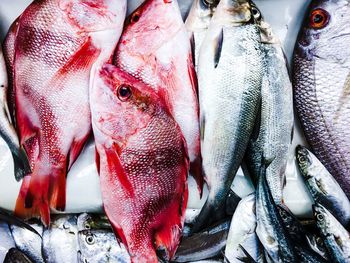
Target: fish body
column 6, row 240
column 155, row 48
column 203, row 245
column 60, row 240
column 16, row 256
column 29, row 242
column 229, row 97
column 335, row 236
column 101, row 246
column 242, row 232
column 197, row 24
column 322, row 186
column 143, row 164
column 56, row 45
column 7, row 130
column 321, row 67
column 270, row 228
column 272, row 134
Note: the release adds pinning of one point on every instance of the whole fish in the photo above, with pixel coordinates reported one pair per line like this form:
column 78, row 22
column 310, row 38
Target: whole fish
column 28, row 242
column 7, row 130
column 143, row 164
column 203, row 245
column 336, row 237
column 6, row 240
column 16, row 256
column 155, row 48
column 230, row 72
column 56, row 44
column 272, row 134
column 242, row 232
column 270, row 229
column 60, row 240
column 321, row 80
column 100, row 246
column 298, row 235
column 197, row 24
column 322, row 186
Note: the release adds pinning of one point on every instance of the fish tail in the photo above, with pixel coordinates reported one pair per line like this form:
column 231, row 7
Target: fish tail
column 196, row 173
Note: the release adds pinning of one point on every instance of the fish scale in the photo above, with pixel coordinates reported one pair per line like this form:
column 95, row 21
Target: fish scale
column 321, row 86
column 51, row 51
column 143, row 163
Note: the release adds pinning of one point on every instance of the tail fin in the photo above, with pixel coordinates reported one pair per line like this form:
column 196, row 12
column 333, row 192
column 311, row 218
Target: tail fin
column 40, row 191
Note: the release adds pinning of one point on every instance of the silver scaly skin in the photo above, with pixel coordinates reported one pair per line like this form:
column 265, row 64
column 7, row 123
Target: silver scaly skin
column 273, row 133
column 6, row 240
column 322, row 186
column 197, row 24
column 336, row 237
column 321, row 80
column 230, row 72
column 7, row 130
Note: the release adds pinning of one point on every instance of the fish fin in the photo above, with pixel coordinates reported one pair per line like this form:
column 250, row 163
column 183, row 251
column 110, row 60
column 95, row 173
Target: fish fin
column 80, row 60
column 119, row 233
column 75, row 150
column 97, row 161
column 116, row 169
column 193, row 50
column 167, row 237
column 196, row 173
column 218, row 47
column 21, row 164
column 248, row 258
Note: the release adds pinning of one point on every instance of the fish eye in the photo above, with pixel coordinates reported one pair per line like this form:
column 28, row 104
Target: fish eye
column 135, row 18
column 124, row 92
column 87, row 226
column 320, row 217
column 319, row 18
column 90, row 240
column 256, row 13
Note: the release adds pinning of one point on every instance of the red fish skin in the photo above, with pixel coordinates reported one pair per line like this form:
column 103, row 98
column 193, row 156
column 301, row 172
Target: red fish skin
column 57, row 45
column 143, row 165
column 156, row 49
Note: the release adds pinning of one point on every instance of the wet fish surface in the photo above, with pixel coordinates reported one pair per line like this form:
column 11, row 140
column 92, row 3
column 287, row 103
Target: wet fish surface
column 16, row 256
column 54, row 47
column 143, row 162
column 6, row 240
column 321, row 68
column 322, row 186
column 229, row 97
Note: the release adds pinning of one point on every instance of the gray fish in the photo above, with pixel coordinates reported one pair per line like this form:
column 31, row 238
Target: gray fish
column 336, row 237
column 272, row 135
column 322, row 186
column 29, row 242
column 16, row 256
column 230, row 72
column 206, row 244
column 60, row 240
column 321, row 80
column 6, row 240
column 270, row 228
column 197, row 24
column 242, row 232
column 7, row 130
column 101, row 246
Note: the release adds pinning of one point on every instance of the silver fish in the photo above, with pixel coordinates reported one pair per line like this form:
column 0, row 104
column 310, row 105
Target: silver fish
column 242, row 232
column 230, row 72
column 197, row 24
column 101, row 246
column 206, row 244
column 6, row 240
column 322, row 186
column 317, row 245
column 270, row 228
column 321, row 81
column 29, row 242
column 93, row 221
column 336, row 237
column 60, row 240
column 7, row 130
column 272, row 135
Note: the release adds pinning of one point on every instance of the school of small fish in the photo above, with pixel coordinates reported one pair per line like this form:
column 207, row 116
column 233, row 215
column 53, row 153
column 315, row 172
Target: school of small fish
column 169, row 93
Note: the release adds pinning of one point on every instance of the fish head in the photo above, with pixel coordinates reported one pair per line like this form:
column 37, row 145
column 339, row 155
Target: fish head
column 83, row 14
column 93, row 221
column 122, row 104
column 200, row 14
column 233, row 12
column 304, row 159
column 325, row 31
column 94, row 243
column 151, row 25
column 323, row 218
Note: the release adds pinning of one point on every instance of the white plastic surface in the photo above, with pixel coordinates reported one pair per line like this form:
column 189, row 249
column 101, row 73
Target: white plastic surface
column 83, row 193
